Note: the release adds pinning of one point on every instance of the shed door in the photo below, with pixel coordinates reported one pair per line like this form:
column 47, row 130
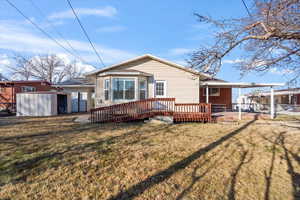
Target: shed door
column 62, row 104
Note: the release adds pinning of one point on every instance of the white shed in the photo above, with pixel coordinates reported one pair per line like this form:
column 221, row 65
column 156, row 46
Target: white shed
column 43, row 103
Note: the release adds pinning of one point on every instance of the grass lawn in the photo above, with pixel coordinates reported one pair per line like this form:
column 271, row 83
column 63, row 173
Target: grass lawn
column 56, row 158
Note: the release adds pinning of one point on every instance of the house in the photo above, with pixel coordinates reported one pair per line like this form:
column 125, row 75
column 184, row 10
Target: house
column 283, row 96
column 9, row 89
column 148, row 76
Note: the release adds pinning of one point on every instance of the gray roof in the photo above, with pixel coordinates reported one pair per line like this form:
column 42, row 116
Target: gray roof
column 76, row 81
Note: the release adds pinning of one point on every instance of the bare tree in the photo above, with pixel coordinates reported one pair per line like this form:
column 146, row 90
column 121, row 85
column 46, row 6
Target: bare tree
column 20, row 68
column 50, row 68
column 270, row 38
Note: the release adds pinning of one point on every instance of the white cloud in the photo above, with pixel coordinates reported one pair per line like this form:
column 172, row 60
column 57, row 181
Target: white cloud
column 82, row 67
column 20, row 37
column 110, row 29
column 107, row 11
column 179, row 51
column 4, row 62
column 234, row 61
column 281, row 71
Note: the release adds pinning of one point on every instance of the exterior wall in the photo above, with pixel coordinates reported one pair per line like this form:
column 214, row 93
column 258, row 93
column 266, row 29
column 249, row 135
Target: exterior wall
column 88, row 90
column 182, row 85
column 36, row 104
column 8, row 94
column 224, row 98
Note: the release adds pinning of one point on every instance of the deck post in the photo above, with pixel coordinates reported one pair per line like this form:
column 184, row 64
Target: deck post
column 272, row 104
column 240, row 104
column 207, row 94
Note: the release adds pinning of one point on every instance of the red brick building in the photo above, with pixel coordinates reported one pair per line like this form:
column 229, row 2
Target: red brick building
column 9, row 89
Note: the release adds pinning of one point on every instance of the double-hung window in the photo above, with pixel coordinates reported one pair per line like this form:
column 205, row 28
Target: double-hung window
column 123, row 88
column 160, row 88
column 106, row 89
column 143, row 88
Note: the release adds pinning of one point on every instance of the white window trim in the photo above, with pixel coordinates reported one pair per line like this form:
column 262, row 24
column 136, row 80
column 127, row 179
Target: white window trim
column 146, row 87
column 104, row 89
column 212, row 95
column 165, row 89
column 135, row 89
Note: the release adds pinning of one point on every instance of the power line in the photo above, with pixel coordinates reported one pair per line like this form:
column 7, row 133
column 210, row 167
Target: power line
column 39, row 28
column 55, row 29
column 247, row 8
column 85, row 32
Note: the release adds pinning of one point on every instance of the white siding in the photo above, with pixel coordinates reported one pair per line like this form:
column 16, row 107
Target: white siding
column 36, row 104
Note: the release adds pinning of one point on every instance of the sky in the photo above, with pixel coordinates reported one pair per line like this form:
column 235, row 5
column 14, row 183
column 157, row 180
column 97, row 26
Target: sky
column 120, row 30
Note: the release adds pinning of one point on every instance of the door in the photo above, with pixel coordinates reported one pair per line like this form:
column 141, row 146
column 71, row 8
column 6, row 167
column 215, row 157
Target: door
column 160, row 89
column 62, row 104
column 83, row 102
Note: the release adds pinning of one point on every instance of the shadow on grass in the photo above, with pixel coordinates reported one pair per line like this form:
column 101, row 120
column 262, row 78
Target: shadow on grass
column 295, row 177
column 19, row 170
column 268, row 175
column 161, row 176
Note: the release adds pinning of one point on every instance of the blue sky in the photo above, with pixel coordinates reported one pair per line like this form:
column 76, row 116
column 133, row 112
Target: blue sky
column 121, row 30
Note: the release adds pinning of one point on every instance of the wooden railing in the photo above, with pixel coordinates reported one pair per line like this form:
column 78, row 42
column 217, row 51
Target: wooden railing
column 151, row 107
column 133, row 110
column 192, row 112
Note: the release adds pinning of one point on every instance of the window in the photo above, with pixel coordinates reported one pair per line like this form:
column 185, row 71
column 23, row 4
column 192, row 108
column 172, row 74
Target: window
column 2, row 89
column 142, row 86
column 123, row 88
column 160, row 88
column 106, row 89
column 28, row 89
column 212, row 91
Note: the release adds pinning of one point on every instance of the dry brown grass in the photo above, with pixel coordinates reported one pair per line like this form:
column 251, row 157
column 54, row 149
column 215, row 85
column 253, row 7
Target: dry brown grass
column 55, row 158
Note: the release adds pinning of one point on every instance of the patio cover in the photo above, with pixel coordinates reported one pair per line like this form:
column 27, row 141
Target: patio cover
column 222, row 84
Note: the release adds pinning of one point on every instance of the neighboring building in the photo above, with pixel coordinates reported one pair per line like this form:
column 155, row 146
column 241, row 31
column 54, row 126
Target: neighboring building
column 148, row 76
column 9, row 89
column 283, row 96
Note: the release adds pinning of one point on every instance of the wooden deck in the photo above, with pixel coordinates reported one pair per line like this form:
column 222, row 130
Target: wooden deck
column 147, row 108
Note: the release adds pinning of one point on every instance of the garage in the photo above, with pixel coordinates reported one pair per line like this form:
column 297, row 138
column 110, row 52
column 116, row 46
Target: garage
column 43, row 103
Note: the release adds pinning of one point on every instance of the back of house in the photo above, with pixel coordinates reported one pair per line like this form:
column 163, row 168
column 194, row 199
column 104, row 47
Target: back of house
column 148, row 76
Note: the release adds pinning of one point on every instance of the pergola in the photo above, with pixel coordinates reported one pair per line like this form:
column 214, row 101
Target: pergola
column 219, row 84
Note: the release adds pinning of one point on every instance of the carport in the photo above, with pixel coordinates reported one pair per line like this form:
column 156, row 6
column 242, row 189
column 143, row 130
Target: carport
column 240, row 86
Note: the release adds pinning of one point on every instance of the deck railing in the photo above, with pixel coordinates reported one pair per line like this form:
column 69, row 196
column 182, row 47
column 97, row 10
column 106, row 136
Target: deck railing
column 195, row 112
column 133, row 110
column 151, row 107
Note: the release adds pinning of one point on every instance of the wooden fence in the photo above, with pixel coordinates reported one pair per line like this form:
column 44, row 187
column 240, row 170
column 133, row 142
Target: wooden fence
column 152, row 107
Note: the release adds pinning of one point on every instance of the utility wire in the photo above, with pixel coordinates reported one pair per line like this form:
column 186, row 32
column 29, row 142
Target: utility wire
column 39, row 28
column 56, row 30
column 247, row 8
column 85, row 33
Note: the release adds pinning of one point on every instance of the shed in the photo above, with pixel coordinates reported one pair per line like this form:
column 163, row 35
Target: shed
column 43, row 103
